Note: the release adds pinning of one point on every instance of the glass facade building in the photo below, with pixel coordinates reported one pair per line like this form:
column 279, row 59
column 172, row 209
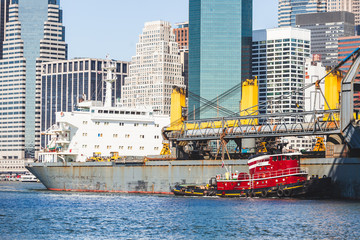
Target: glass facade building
column 279, row 57
column 65, row 83
column 288, row 9
column 220, row 37
column 326, row 29
column 33, row 34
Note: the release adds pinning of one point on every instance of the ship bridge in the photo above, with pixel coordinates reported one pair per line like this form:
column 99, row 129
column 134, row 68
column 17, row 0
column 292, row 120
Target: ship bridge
column 338, row 118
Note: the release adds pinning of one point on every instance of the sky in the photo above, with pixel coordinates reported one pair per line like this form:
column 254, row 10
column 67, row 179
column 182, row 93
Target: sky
column 95, row 28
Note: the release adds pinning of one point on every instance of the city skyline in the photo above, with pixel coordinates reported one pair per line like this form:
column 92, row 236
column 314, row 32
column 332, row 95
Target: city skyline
column 104, row 36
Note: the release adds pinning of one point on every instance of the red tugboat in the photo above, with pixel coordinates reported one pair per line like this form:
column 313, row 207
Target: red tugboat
column 269, row 176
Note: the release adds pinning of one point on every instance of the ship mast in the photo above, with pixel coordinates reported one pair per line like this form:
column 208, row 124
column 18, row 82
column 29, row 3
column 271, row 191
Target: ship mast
column 109, row 79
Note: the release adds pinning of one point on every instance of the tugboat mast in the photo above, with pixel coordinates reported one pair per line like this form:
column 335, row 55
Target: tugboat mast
column 109, row 79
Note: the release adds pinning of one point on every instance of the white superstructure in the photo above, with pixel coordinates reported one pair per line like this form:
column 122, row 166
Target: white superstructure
column 97, row 129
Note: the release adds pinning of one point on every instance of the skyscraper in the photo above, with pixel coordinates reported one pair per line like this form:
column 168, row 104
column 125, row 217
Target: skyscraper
column 4, row 17
column 288, row 9
column 182, row 35
column 34, row 34
column 326, row 28
column 220, row 34
column 346, row 46
column 154, row 70
column 279, row 56
column 352, row 6
column 182, row 38
column 67, row 82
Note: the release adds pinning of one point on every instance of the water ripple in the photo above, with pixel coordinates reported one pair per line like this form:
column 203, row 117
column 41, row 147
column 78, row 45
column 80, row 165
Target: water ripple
column 29, row 212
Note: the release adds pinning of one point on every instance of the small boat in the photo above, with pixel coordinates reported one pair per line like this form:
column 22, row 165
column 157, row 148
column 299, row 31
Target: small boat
column 276, row 175
column 28, row 178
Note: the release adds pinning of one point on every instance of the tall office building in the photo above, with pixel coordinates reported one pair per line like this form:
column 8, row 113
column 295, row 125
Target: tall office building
column 181, row 32
column 279, row 57
column 352, row 6
column 326, row 28
column 154, row 70
column 288, row 9
column 34, row 34
column 65, row 83
column 346, row 46
column 4, row 17
column 219, row 52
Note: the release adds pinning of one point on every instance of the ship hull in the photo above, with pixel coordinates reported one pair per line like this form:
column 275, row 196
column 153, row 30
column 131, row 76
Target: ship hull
column 159, row 176
column 155, row 177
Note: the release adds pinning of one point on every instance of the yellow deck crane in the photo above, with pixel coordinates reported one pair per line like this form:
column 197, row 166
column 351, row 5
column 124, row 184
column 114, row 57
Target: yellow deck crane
column 249, row 107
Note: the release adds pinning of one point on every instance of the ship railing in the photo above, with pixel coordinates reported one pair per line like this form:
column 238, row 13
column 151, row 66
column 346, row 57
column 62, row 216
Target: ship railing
column 246, row 176
column 281, row 172
column 233, row 176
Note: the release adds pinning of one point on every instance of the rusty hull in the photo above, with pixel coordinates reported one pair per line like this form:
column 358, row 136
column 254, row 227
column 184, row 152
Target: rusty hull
column 158, row 177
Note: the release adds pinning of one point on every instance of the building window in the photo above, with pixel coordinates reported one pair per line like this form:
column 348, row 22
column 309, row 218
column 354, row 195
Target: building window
column 141, row 147
column 84, row 134
column 100, row 134
column 108, row 147
column 156, row 148
column 115, row 135
column 142, row 136
column 121, row 124
column 86, row 65
column 96, row 146
column 121, row 147
column 85, row 122
column 129, row 147
column 127, row 135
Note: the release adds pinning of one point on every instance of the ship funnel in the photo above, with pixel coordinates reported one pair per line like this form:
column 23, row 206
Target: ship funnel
column 109, row 79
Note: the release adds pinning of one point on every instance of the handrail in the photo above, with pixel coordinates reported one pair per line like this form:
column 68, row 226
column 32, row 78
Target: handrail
column 272, row 174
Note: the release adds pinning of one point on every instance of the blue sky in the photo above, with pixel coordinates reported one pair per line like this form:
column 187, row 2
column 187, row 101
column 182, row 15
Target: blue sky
column 95, row 28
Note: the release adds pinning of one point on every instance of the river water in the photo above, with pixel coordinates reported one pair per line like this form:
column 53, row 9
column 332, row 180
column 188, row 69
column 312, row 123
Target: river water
column 29, row 211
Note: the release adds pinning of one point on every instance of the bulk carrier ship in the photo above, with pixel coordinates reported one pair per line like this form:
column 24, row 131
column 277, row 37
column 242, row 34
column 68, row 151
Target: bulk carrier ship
column 104, row 148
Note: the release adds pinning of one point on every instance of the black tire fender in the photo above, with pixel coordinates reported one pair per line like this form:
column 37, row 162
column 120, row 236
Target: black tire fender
column 287, row 192
column 280, row 193
column 264, row 193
